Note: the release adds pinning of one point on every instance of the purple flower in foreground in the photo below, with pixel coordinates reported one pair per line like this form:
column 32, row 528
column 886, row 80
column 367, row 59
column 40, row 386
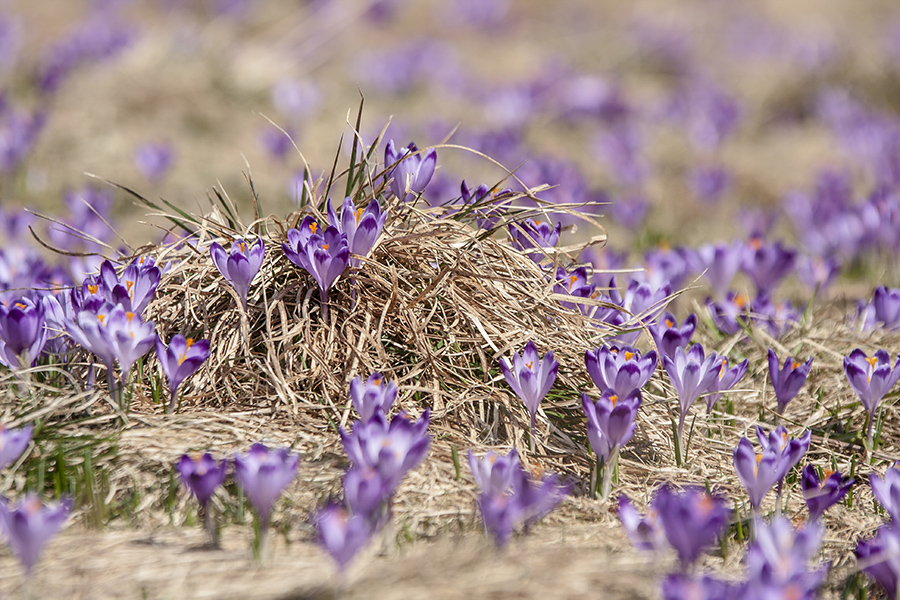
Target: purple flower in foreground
column 134, row 289
column 263, row 474
column 692, row 373
column 788, row 380
column 494, row 473
column 528, row 233
column 153, row 160
column 341, row 534
column 30, row 524
column 668, row 335
column 365, row 493
column 621, row 369
column 645, row 533
column 409, row 170
column 879, row 557
column 13, row 443
column 757, row 472
column 887, row 491
column 372, row 396
column 779, row 555
column 23, row 333
column 201, row 474
column 886, row 305
column 180, row 360
column 691, row 520
column 530, row 377
column 871, row 377
column 682, row 587
column 822, row 494
column 727, row 379
column 789, row 450
column 390, row 449
column 362, row 226
column 240, row 265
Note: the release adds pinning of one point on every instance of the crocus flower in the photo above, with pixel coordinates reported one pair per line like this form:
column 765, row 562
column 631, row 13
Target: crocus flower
column 621, row 369
column 528, row 233
column 822, row 493
column 886, row 305
column 767, row 264
column 730, row 314
column 365, row 493
column 485, row 203
column 790, row 450
column 240, row 265
column 372, row 396
column 409, row 170
column 879, row 557
column 153, row 160
column 263, row 474
column 720, row 263
column 30, row 524
column 887, row 491
column 645, row 532
column 871, row 377
column 677, row 586
column 727, row 379
column 134, row 289
column 494, row 473
column 23, row 333
column 324, row 256
column 757, row 472
column 788, row 380
column 390, row 449
column 691, row 520
column 573, row 283
column 692, row 373
column 362, row 226
column 13, row 443
column 779, row 555
column 610, row 421
column 180, row 360
column 342, row 534
column 668, row 335
column 201, row 474
column 530, row 377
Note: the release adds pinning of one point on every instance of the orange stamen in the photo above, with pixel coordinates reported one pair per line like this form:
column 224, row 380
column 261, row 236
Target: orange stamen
column 614, row 399
column 313, row 226
column 359, row 212
column 93, row 288
column 629, row 355
column 325, row 247
column 242, row 246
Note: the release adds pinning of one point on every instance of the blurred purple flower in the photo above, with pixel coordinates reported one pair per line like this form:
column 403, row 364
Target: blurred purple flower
column 727, row 379
column 871, row 377
column 789, row 450
column 645, row 532
column 787, row 380
column 778, row 559
column 709, row 183
column 240, row 265
column 668, row 335
column 29, row 525
column 683, row 587
column 530, row 377
column 365, row 493
column 887, row 491
column 630, row 210
column 19, row 131
column 721, row 262
column 23, row 333
column 201, row 474
column 341, row 534
column 295, row 100
column 362, row 226
column 276, row 142
column 13, row 443
column 731, row 313
column 373, row 396
column 691, row 520
column 879, row 557
column 886, row 306
column 610, row 423
column 528, row 233
column 263, row 474
column 485, row 203
column 778, row 318
column 153, row 160
column 757, row 472
column 620, row 369
column 180, row 360
column 574, row 283
column 822, row 493
column 767, row 264
column 494, row 473
column 818, row 273
column 622, row 150
column 408, row 170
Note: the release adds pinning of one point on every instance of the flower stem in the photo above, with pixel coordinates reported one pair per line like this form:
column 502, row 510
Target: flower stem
column 608, row 470
column 210, row 523
column 323, row 298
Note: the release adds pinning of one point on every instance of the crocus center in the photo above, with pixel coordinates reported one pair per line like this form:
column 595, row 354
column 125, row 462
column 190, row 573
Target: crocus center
column 529, row 364
column 377, row 381
column 795, row 364
column 629, row 355
column 359, row 212
column 613, row 398
column 723, row 368
column 242, row 246
column 756, row 243
column 101, row 318
column 324, row 246
column 825, row 477
column 756, row 467
column 572, row 281
column 492, row 458
column 706, row 504
column 20, row 305
column 740, row 301
column 33, row 505
column 670, row 323
column 129, row 316
column 93, row 288
column 872, row 360
column 128, row 285
column 189, row 342
column 313, row 226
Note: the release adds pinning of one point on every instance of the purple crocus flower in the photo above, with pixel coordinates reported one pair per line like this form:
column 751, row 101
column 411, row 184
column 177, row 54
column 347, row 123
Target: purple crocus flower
column 201, row 474
column 486, row 203
column 365, row 493
column 573, row 283
column 530, row 377
column 341, row 534
column 362, row 226
column 886, row 305
column 709, row 183
column 757, row 472
column 691, row 520
column 668, row 335
column 528, row 233
column 788, row 380
column 817, row 273
column 767, row 264
column 779, row 555
column 682, row 587
column 30, row 524
column 610, row 421
column 727, row 379
column 390, row 449
column 409, row 170
column 645, row 532
column 13, row 443
column 23, row 333
column 621, row 369
column 134, row 289
column 240, row 265
column 323, row 255
column 822, row 493
column 879, row 557
column 180, row 360
column 536, row 498
column 730, row 314
column 871, row 377
column 372, row 396
column 494, row 473
column 887, row 491
column 263, row 474
column 153, row 160
column 692, row 373
column 789, row 450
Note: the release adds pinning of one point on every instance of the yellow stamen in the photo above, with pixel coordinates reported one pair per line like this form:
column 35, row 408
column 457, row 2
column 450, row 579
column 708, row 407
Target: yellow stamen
column 20, row 305
column 101, row 318
column 872, row 360
column 723, row 368
column 313, row 226
column 528, row 364
column 740, row 301
column 325, row 247
column 629, row 355
column 129, row 316
column 242, row 246
column 93, row 288
column 670, row 323
column 756, row 468
column 492, row 458
column 359, row 212
column 825, row 477
column 614, row 399
column 189, row 342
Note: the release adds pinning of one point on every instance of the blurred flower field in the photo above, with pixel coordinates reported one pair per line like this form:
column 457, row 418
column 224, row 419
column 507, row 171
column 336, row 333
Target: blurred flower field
column 487, row 298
